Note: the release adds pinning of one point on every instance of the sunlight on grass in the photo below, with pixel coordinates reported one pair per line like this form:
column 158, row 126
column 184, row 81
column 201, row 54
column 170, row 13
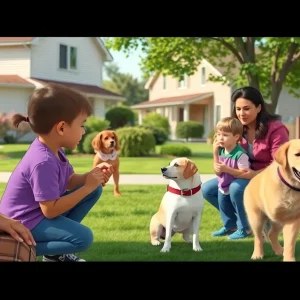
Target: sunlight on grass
column 10, row 156
column 121, row 231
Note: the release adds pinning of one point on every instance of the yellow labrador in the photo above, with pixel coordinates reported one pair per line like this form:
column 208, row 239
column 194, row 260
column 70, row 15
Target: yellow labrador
column 274, row 194
column 181, row 207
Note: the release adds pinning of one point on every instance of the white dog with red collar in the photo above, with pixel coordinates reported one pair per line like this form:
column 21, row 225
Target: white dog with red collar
column 181, row 208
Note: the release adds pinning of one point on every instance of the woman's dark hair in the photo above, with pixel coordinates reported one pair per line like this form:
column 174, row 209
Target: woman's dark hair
column 263, row 117
column 51, row 104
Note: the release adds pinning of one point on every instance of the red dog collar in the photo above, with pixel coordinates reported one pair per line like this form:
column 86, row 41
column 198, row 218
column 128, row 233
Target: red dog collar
column 184, row 192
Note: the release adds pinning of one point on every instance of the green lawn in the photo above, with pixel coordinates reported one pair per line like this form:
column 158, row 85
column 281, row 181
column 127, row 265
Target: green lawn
column 121, row 231
column 10, row 156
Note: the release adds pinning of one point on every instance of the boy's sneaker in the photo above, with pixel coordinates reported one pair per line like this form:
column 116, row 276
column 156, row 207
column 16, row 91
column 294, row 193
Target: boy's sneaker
column 223, row 231
column 62, row 258
column 239, row 234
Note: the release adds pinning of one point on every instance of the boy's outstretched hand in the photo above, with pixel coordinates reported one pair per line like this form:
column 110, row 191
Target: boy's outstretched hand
column 105, row 168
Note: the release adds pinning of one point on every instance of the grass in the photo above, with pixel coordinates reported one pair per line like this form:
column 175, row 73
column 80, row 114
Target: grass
column 121, row 231
column 10, row 156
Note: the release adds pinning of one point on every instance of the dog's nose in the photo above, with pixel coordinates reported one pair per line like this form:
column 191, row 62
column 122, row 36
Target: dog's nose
column 112, row 142
column 163, row 169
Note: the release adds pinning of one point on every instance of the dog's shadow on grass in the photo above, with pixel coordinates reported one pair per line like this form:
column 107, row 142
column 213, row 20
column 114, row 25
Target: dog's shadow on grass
column 213, row 251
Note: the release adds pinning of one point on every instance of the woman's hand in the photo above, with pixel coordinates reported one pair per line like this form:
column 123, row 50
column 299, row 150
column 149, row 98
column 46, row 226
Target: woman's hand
column 248, row 174
column 17, row 230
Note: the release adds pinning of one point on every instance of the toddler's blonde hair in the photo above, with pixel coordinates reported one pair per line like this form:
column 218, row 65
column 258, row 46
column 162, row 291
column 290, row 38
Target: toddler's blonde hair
column 230, row 124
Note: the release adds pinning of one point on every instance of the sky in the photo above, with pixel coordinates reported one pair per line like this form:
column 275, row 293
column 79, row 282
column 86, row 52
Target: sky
column 127, row 65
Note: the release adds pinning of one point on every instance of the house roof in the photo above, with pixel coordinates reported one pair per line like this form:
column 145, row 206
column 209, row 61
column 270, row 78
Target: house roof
column 169, row 101
column 18, row 81
column 7, row 41
column 15, row 39
column 83, row 88
column 15, row 81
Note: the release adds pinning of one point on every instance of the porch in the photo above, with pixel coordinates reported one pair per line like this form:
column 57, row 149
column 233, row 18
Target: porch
column 199, row 108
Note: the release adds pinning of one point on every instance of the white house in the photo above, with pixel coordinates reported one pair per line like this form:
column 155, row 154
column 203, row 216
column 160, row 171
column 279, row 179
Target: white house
column 30, row 62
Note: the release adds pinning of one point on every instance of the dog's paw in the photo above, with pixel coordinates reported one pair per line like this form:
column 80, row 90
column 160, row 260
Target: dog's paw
column 256, row 256
column 197, row 248
column 155, row 243
column 165, row 249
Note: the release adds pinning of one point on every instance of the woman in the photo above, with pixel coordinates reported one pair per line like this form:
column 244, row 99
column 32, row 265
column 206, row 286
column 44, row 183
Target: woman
column 263, row 134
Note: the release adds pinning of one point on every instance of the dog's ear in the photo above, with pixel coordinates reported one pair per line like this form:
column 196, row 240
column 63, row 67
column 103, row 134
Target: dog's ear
column 97, row 142
column 280, row 155
column 190, row 169
column 117, row 145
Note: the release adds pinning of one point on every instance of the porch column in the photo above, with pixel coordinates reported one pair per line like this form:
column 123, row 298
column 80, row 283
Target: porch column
column 186, row 112
column 140, row 117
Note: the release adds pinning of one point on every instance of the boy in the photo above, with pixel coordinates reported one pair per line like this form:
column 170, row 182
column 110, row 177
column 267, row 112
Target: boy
column 229, row 159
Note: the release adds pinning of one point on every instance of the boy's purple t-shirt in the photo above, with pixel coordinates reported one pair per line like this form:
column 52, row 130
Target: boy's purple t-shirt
column 40, row 176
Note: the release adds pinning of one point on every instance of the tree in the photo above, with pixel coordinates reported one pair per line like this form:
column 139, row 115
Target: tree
column 268, row 64
column 125, row 84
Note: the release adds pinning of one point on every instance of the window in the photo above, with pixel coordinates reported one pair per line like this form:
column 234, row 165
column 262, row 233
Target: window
column 63, row 50
column 203, row 76
column 183, row 83
column 67, row 57
column 73, row 58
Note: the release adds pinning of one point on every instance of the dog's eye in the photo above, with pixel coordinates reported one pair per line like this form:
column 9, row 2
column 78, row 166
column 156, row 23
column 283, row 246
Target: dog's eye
column 297, row 154
column 176, row 165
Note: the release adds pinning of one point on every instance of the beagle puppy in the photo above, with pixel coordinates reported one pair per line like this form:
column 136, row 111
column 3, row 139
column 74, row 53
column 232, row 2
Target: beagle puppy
column 106, row 146
column 181, row 208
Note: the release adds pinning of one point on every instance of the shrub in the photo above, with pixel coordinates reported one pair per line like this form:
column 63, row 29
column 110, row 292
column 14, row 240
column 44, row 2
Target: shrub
column 96, row 124
column 87, row 143
column 160, row 134
column 67, row 151
column 189, row 129
column 92, row 124
column 176, row 150
column 135, row 141
column 156, row 120
column 120, row 116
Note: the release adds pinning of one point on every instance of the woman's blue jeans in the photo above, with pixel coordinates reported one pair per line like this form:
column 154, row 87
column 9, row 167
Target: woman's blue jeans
column 231, row 208
column 64, row 234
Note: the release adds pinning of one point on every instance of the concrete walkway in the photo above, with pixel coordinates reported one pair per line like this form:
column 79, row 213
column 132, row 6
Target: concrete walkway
column 129, row 178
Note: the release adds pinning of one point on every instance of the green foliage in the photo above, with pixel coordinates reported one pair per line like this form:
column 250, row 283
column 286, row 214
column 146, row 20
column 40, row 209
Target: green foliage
column 189, row 129
column 126, row 85
column 120, row 116
column 87, row 143
column 67, row 151
column 92, row 124
column 268, row 64
column 160, row 134
column 176, row 150
column 96, row 124
column 135, row 142
column 156, row 120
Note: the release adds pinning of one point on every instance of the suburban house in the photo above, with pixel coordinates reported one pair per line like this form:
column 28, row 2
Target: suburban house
column 195, row 98
column 27, row 63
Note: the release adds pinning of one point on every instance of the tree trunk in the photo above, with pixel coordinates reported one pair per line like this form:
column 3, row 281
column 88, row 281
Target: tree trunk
column 275, row 92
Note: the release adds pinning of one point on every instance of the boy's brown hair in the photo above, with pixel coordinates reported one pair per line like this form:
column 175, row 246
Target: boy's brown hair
column 51, row 104
column 230, row 124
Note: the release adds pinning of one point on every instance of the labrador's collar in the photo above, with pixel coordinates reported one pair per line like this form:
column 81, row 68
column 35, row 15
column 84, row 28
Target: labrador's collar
column 286, row 183
column 185, row 192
